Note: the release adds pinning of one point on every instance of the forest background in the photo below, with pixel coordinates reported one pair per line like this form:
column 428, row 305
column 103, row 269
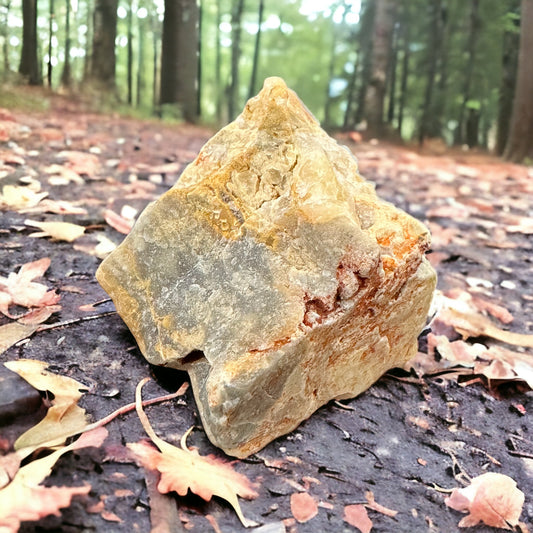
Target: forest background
column 446, row 72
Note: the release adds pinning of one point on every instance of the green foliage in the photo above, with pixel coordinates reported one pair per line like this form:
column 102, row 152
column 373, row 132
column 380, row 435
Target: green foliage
column 303, row 44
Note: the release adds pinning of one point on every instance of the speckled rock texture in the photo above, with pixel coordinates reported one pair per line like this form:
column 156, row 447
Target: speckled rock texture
column 273, row 274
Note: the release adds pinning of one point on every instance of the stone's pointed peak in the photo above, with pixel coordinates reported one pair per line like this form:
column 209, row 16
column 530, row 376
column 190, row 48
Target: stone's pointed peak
column 276, row 107
column 276, row 265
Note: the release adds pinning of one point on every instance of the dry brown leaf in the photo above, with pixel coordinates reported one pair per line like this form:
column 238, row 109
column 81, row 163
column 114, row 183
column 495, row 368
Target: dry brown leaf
column 357, row 516
column 118, row 222
column 303, row 506
column 20, row 289
column 83, row 163
column 375, row 506
column 476, row 325
column 59, row 207
column 184, row 469
column 24, row 499
column 491, row 498
column 61, row 231
column 16, row 197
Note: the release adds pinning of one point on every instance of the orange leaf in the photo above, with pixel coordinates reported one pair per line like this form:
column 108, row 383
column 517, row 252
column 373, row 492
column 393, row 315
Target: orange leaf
column 121, row 224
column 184, row 469
column 303, row 506
column 357, row 516
column 491, row 498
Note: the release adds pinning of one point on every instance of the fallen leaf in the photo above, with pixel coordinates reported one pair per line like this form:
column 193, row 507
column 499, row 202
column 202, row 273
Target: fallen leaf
column 24, row 499
column 14, row 332
column 357, row 516
column 83, row 163
column 61, row 231
column 491, row 498
column 375, row 506
column 476, row 325
column 118, row 222
column 303, row 506
column 16, row 197
column 63, row 419
column 184, row 469
column 20, row 289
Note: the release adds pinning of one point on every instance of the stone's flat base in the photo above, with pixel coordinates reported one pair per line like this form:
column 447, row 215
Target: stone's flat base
column 274, row 259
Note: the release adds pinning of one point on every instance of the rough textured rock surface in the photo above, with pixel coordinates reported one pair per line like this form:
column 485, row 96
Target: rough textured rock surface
column 273, row 274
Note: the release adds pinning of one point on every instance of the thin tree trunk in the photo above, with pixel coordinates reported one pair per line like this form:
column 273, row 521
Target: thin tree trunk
column 434, row 43
column 346, row 124
column 255, row 64
column 392, row 75
column 140, row 62
column 218, row 63
column 130, row 53
column 104, row 35
column 520, row 142
column 405, row 71
column 156, row 91
column 511, row 45
column 51, row 16
column 88, row 42
column 381, row 37
column 5, row 36
column 199, row 62
column 468, row 72
column 29, row 62
column 66, row 73
column 236, row 18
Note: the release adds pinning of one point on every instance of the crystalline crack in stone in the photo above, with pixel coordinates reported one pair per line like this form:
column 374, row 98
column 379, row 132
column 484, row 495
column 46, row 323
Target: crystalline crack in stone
column 274, row 259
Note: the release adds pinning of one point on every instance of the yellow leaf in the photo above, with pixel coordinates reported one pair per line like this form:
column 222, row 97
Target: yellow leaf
column 183, row 469
column 15, row 197
column 61, row 231
column 64, row 389
column 61, row 421
column 14, row 332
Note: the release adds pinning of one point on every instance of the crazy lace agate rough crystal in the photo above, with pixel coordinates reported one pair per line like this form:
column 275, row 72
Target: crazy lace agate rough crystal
column 273, row 274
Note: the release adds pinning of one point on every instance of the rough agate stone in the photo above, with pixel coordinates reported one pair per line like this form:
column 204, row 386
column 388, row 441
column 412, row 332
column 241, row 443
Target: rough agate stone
column 273, row 274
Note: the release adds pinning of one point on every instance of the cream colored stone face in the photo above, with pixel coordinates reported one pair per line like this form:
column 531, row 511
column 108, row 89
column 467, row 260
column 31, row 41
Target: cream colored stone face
column 274, row 258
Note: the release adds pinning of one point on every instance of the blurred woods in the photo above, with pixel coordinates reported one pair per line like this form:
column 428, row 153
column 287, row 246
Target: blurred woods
column 447, row 72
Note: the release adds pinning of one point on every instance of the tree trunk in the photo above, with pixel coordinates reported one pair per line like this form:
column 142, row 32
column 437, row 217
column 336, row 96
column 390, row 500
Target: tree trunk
column 365, row 50
column 347, row 123
column 253, row 78
column 29, row 62
column 511, row 45
column 88, row 42
column 468, row 73
column 434, row 43
column 51, row 16
column 392, row 74
column 520, row 142
column 140, row 62
column 405, row 69
column 218, row 65
column 66, row 73
column 381, row 46
column 104, row 34
column 5, row 37
column 236, row 18
column 130, row 53
column 199, row 63
column 179, row 64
